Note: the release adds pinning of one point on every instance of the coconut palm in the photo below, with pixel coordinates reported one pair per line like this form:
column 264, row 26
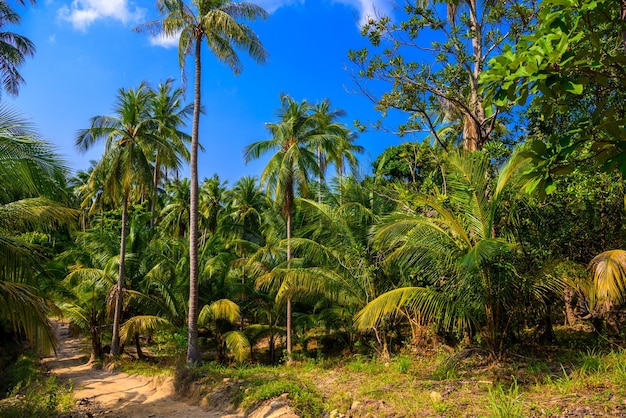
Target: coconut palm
column 91, row 277
column 220, row 315
column 458, row 247
column 211, row 205
column 333, row 131
column 290, row 167
column 31, row 176
column 131, row 138
column 217, row 22
column 175, row 213
column 14, row 49
column 344, row 157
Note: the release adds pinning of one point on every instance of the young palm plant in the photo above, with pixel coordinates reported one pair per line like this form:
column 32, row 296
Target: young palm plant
column 457, row 245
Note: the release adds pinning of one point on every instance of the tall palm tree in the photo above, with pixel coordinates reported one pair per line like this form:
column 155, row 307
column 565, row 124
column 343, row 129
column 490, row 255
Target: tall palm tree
column 14, row 49
column 217, row 22
column 291, row 165
column 131, row 139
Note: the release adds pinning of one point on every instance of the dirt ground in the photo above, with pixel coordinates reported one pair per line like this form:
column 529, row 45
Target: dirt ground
column 103, row 393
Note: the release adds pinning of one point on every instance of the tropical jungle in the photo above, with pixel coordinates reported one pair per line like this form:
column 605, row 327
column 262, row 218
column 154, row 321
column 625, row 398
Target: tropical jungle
column 477, row 269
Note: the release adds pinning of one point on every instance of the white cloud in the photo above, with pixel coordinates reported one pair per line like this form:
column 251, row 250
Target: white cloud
column 82, row 13
column 164, row 41
column 271, row 6
column 369, row 9
column 366, row 8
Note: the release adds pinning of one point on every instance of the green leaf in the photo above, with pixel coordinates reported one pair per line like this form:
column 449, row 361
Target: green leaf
column 571, row 87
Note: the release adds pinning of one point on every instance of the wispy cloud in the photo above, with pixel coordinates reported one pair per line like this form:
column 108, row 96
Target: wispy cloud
column 272, row 5
column 164, row 41
column 369, row 9
column 366, row 9
column 82, row 13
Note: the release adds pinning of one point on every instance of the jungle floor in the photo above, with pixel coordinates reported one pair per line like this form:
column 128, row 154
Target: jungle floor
column 578, row 376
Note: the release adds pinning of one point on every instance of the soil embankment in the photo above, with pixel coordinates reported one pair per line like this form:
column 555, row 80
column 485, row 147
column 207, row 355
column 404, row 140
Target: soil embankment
column 104, row 393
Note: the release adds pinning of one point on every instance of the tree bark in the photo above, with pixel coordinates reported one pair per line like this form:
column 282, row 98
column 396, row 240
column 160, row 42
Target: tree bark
column 193, row 349
column 117, row 316
column 289, row 299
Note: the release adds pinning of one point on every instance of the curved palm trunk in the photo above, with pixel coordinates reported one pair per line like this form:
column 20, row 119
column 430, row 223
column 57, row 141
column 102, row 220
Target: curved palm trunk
column 117, row 316
column 193, row 350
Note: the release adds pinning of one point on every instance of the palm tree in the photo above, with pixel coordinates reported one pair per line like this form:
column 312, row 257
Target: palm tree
column 31, row 176
column 343, row 156
column 458, row 246
column 175, row 214
column 328, row 126
column 211, row 205
column 131, row 139
column 215, row 21
column 291, row 165
column 89, row 282
column 14, row 49
column 245, row 204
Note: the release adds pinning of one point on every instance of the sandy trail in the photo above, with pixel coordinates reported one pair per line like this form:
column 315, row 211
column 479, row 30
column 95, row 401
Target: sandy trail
column 102, row 393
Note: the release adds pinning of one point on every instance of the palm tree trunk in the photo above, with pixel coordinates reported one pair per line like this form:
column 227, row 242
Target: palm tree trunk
column 138, row 346
column 155, row 182
column 319, row 176
column 117, row 316
column 289, row 299
column 193, row 349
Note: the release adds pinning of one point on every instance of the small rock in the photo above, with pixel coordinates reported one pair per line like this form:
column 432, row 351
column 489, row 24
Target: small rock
column 226, row 379
column 355, row 405
column 274, row 404
column 435, row 396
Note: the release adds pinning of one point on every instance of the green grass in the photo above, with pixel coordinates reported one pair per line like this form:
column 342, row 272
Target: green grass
column 33, row 394
column 505, row 403
column 545, row 382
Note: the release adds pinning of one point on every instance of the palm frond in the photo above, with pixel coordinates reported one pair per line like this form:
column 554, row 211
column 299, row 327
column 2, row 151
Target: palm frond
column 431, row 305
column 224, row 309
column 237, row 345
column 142, row 324
column 608, row 271
column 27, row 314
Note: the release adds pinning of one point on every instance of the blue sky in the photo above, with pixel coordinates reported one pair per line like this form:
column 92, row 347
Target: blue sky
column 87, row 51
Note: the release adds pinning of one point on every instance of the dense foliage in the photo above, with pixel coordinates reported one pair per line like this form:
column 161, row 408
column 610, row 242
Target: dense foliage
column 470, row 241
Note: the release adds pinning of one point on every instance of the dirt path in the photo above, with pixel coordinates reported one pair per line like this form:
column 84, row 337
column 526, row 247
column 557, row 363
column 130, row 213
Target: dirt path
column 102, row 393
